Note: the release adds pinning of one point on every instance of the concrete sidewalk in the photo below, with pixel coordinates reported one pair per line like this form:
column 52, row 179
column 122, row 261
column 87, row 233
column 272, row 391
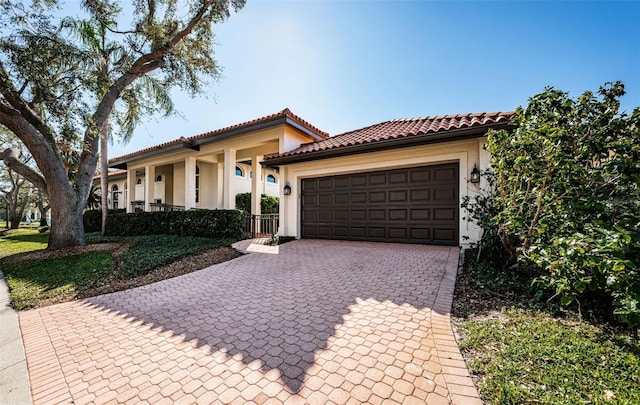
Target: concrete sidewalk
column 14, row 379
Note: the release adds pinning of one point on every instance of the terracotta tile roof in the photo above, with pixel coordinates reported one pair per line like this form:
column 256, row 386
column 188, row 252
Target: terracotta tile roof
column 398, row 129
column 286, row 113
column 114, row 173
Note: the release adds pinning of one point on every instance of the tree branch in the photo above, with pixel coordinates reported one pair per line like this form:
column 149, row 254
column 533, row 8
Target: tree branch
column 13, row 98
column 11, row 158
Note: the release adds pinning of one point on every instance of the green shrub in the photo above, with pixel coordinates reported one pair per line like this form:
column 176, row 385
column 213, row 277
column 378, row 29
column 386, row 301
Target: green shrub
column 268, row 203
column 92, row 219
column 565, row 198
column 206, row 223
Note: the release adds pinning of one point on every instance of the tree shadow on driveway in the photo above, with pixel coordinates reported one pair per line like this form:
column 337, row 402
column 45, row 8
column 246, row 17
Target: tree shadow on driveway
column 284, row 309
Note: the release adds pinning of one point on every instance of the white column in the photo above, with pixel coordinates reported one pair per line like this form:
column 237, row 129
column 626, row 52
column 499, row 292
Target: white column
column 256, row 184
column 189, row 183
column 149, row 178
column 229, row 191
column 218, row 171
column 131, row 189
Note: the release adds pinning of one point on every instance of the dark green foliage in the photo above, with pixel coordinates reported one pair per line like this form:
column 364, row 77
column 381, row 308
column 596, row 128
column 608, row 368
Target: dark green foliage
column 92, row 219
column 268, row 203
column 148, row 252
column 566, row 196
column 206, row 223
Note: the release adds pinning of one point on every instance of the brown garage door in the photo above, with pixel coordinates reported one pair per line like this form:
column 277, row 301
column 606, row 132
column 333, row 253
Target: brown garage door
column 410, row 205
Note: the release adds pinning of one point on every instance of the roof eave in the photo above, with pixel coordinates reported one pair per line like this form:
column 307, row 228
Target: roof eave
column 122, row 163
column 422, row 139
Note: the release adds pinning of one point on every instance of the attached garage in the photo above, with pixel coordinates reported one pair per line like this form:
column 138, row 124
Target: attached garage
column 408, row 205
column 399, row 181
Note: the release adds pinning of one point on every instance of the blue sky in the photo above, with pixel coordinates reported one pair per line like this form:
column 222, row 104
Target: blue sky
column 342, row 65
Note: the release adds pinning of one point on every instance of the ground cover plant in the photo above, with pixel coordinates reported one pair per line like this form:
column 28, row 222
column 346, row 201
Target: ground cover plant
column 524, row 350
column 37, row 277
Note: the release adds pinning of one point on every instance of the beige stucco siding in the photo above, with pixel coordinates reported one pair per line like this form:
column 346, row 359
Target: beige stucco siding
column 466, row 153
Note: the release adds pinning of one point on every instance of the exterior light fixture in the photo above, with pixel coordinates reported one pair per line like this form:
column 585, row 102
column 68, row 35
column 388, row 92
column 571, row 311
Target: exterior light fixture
column 287, row 189
column 475, row 174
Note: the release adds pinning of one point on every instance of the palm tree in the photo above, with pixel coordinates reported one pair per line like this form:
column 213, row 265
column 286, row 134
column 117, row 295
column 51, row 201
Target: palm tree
column 105, row 59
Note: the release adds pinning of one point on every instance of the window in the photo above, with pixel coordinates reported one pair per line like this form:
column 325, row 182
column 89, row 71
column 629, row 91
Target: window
column 159, row 178
column 114, row 196
column 239, row 172
column 271, row 179
column 250, row 175
column 197, row 184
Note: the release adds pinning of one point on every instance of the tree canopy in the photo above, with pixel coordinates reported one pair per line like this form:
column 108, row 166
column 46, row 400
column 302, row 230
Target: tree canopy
column 55, row 101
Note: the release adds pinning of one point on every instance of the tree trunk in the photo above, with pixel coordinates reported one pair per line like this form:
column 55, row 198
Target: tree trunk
column 14, row 221
column 66, row 222
column 104, row 176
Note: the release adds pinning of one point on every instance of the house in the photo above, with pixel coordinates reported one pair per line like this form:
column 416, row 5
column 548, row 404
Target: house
column 396, row 181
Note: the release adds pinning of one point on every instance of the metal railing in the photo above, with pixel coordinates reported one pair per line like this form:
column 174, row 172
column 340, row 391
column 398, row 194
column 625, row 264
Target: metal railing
column 261, row 226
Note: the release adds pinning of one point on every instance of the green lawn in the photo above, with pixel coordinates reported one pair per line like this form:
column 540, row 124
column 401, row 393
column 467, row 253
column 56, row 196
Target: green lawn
column 531, row 357
column 21, row 241
column 38, row 282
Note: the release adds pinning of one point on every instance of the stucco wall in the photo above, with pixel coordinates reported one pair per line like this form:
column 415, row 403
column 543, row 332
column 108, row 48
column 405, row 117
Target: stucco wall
column 466, row 153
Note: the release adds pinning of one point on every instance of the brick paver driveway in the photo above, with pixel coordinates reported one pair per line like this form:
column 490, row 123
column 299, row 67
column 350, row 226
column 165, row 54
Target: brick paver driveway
column 319, row 322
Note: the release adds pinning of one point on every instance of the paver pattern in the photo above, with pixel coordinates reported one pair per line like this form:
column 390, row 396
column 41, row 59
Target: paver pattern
column 319, row 322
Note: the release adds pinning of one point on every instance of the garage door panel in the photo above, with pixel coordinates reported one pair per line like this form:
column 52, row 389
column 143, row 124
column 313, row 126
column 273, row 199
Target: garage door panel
column 398, row 234
column 410, row 205
column 444, row 235
column 421, row 175
column 420, row 195
column 378, row 179
column 398, row 178
column 377, row 196
column 398, row 214
column 423, row 234
column 341, row 182
column 377, row 232
column 398, row 196
column 445, row 195
column 309, row 184
column 339, row 215
column 341, row 198
column 444, row 214
column 420, row 214
column 445, row 174
column 358, row 197
column 358, row 180
column 309, row 216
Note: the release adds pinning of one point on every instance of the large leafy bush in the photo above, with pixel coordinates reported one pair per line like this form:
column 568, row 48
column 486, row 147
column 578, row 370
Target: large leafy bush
column 566, row 195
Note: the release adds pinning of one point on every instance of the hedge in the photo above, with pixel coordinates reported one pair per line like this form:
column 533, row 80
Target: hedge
column 92, row 219
column 207, row 223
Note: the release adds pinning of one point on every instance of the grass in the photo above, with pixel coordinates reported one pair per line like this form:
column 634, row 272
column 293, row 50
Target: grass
column 531, row 357
column 524, row 351
column 22, row 241
column 35, row 282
